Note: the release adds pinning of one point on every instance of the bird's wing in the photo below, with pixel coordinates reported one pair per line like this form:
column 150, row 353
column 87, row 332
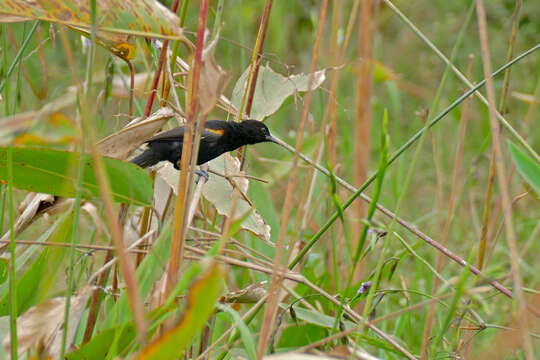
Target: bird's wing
column 174, row 134
column 177, row 134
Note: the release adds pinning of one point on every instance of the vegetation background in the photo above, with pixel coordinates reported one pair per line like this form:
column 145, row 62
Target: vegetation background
column 384, row 79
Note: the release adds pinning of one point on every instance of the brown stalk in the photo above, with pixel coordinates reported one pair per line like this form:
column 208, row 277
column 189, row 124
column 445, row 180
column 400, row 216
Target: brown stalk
column 491, row 176
column 299, row 278
column 131, row 87
column 501, row 178
column 96, row 300
column 272, row 306
column 493, row 224
column 258, row 53
column 146, row 221
column 331, row 110
column 179, row 227
column 126, row 267
column 231, row 328
column 307, row 197
column 159, row 70
column 449, row 214
column 331, row 137
column 414, row 230
column 363, row 115
column 254, row 70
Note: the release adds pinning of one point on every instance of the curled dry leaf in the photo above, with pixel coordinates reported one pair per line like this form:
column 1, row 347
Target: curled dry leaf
column 30, row 206
column 122, row 143
column 272, row 89
column 248, row 295
column 93, row 212
column 42, row 325
column 212, row 80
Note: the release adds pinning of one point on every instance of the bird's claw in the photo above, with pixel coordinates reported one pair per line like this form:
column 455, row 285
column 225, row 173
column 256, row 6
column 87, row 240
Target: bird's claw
column 201, row 173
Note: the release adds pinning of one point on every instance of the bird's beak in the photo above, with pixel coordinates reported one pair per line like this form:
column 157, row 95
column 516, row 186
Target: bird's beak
column 270, row 138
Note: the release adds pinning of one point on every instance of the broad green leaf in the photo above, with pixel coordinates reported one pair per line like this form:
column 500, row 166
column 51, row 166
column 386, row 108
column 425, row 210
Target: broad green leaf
column 201, row 304
column 98, row 347
column 527, row 167
column 36, row 282
column 245, row 333
column 55, row 172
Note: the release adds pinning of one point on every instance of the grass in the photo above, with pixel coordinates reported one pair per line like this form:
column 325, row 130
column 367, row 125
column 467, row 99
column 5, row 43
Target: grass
column 420, row 302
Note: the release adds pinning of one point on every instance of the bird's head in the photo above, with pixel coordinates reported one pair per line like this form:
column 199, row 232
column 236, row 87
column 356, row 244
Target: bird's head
column 257, row 132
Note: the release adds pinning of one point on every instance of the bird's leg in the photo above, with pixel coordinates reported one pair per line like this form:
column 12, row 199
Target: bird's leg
column 201, row 173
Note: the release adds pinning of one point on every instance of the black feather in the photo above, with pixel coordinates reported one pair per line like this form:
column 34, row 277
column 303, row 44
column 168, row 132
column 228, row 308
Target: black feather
column 148, row 158
column 218, row 137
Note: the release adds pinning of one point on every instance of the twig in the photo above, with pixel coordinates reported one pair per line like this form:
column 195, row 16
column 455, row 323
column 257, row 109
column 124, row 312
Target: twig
column 503, row 186
column 272, row 306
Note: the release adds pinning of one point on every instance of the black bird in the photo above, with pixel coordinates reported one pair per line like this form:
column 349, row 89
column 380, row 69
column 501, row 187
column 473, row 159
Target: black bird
column 218, row 137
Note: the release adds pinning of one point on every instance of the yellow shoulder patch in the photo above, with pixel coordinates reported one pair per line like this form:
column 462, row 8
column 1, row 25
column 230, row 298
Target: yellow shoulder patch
column 216, row 131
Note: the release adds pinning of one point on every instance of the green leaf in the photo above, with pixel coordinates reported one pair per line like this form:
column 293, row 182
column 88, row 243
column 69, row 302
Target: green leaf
column 55, row 172
column 527, row 167
column 201, row 303
column 3, row 270
column 245, row 333
column 98, row 347
column 34, row 285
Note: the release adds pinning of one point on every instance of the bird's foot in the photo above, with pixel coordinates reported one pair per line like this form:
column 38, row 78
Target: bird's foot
column 201, row 173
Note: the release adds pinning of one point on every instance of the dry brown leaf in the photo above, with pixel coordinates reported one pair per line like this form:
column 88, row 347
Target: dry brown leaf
column 212, row 80
column 219, row 191
column 29, row 207
column 248, row 295
column 140, row 17
column 42, row 325
column 122, row 143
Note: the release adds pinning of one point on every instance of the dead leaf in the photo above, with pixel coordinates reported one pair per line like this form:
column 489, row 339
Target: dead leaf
column 29, row 207
column 42, row 325
column 219, row 192
column 141, row 17
column 212, row 80
column 122, row 143
column 272, row 89
column 248, row 295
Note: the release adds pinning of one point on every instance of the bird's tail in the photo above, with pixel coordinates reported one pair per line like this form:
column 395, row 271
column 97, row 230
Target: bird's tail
column 146, row 159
